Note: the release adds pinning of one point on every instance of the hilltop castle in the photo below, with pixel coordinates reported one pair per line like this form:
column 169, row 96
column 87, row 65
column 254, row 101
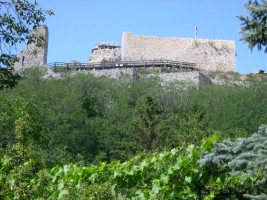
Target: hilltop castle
column 208, row 55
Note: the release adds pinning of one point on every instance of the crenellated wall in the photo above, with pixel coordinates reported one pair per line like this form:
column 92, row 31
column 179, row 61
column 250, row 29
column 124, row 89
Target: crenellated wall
column 209, row 55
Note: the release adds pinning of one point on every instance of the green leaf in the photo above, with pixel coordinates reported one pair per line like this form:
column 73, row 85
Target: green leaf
column 11, row 182
column 143, row 165
column 63, row 193
column 188, row 179
column 170, row 170
column 140, row 195
column 211, row 196
column 155, row 189
column 164, row 178
column 190, row 150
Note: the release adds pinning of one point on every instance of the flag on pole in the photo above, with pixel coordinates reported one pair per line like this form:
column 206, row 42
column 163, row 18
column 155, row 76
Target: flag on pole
column 196, row 31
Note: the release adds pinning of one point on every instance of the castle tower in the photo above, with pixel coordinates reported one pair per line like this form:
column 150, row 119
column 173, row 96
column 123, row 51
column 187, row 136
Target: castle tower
column 106, row 52
column 32, row 55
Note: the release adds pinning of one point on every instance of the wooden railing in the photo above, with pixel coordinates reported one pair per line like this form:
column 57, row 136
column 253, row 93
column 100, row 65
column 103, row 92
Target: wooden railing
column 123, row 64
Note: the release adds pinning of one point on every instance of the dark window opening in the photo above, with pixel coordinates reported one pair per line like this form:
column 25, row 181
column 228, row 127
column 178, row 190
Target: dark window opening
column 22, row 60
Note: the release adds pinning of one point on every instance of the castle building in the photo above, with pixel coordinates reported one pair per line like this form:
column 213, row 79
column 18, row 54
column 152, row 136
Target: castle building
column 208, row 55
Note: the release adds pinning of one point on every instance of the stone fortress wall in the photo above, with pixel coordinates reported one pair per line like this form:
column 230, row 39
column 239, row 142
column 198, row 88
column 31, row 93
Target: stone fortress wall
column 209, row 55
column 195, row 78
column 32, row 55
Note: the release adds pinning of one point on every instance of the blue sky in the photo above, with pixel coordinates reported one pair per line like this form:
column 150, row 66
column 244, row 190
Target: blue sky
column 79, row 25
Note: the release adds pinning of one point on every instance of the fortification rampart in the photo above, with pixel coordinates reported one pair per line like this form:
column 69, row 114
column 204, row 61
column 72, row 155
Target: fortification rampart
column 32, row 55
column 210, row 55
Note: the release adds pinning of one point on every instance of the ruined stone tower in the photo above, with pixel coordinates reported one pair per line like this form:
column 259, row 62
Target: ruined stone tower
column 32, row 55
column 106, row 52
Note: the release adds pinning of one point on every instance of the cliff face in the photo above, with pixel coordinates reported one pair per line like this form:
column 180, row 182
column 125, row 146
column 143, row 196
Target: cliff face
column 31, row 55
column 210, row 55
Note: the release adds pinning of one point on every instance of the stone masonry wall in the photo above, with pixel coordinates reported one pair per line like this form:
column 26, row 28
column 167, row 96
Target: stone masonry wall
column 112, row 73
column 188, row 77
column 194, row 77
column 210, row 55
column 105, row 55
column 32, row 55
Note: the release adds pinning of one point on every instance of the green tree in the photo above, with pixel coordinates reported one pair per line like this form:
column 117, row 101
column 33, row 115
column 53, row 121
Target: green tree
column 8, row 78
column 146, row 123
column 18, row 18
column 254, row 27
column 244, row 158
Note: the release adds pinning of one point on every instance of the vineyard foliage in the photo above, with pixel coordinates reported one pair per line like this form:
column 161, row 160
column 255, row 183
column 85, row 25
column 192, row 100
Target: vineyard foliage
column 172, row 174
column 81, row 137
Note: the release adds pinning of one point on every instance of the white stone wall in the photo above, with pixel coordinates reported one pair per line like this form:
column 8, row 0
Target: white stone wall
column 112, row 73
column 105, row 55
column 196, row 78
column 210, row 55
column 31, row 55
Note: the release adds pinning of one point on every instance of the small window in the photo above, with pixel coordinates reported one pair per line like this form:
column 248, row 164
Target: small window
column 22, row 60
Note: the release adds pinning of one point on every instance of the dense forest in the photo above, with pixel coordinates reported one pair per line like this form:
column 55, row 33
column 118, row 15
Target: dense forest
column 81, row 137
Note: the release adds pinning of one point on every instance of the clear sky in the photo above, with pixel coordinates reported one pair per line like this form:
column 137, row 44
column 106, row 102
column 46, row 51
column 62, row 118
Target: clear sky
column 78, row 25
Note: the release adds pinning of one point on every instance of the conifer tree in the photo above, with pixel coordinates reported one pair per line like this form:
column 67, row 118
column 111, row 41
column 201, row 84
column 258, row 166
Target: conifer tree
column 146, row 122
column 254, row 27
column 244, row 156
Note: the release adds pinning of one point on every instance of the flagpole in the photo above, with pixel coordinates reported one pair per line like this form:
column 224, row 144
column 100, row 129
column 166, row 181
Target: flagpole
column 196, row 32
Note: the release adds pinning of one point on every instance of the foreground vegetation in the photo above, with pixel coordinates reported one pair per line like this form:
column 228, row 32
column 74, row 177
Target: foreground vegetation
column 127, row 140
column 175, row 174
